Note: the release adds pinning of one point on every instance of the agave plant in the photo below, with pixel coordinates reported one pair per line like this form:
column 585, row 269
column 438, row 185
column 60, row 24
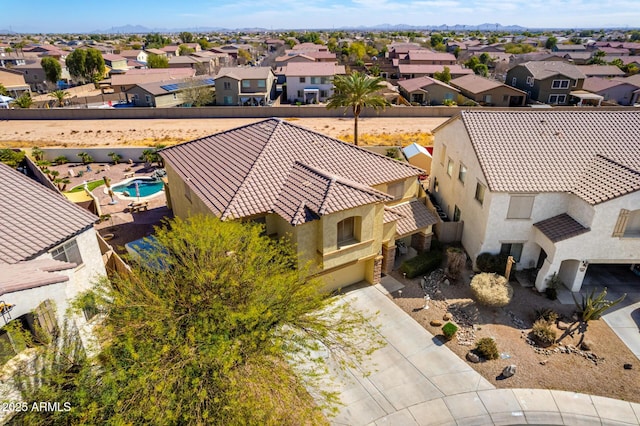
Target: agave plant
column 593, row 306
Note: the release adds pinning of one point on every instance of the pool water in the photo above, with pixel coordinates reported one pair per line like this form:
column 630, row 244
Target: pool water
column 145, row 186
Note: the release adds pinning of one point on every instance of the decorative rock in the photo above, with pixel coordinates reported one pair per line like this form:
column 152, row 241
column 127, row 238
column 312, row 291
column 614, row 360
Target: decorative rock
column 628, row 366
column 544, row 362
column 562, row 325
column 586, row 345
column 436, row 323
column 447, row 282
column 472, row 357
column 509, row 371
column 447, row 317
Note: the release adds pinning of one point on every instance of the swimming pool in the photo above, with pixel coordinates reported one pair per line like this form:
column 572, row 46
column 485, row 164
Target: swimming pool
column 146, row 186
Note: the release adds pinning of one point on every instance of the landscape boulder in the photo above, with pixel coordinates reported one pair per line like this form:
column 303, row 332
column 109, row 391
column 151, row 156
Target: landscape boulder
column 509, row 371
column 436, row 323
column 473, row 357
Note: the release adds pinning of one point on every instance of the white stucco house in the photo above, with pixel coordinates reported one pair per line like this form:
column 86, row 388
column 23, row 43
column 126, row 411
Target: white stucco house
column 557, row 190
column 49, row 254
column 311, row 82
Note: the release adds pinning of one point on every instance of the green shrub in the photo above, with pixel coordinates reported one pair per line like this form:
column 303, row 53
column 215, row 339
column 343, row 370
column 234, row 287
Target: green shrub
column 422, row 263
column 488, row 348
column 491, row 290
column 61, row 160
column 11, row 158
column 546, row 314
column 496, row 263
column 449, row 330
column 543, row 333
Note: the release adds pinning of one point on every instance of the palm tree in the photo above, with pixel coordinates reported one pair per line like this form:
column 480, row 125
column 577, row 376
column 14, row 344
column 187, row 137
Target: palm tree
column 24, row 101
column 358, row 91
column 59, row 95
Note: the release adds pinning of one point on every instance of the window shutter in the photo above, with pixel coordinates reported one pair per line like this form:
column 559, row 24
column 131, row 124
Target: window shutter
column 621, row 224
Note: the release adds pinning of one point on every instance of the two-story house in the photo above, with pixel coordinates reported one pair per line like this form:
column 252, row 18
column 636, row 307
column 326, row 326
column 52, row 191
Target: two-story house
column 557, row 190
column 245, row 86
column 311, row 82
column 549, row 82
column 49, row 253
column 342, row 207
column 135, row 55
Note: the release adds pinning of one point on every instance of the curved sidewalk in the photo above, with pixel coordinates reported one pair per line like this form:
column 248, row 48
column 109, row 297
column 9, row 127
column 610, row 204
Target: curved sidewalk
column 415, row 380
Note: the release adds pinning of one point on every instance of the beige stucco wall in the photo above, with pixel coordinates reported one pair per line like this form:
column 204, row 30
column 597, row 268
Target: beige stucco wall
column 182, row 207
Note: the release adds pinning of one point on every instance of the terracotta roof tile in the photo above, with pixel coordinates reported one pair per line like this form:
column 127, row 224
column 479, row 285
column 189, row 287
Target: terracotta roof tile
column 550, row 151
column 34, row 218
column 413, row 84
column 413, row 216
column 545, row 69
column 244, row 171
column 560, row 227
column 604, row 179
column 31, row 274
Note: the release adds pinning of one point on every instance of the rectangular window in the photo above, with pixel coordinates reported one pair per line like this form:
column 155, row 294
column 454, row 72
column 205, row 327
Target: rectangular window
column 396, row 190
column 487, row 99
column 262, row 83
column 300, row 93
column 512, row 249
column 227, row 85
column 443, row 154
column 520, row 206
column 557, row 99
column 148, row 99
column 450, row 167
column 303, row 79
column 346, row 232
column 68, row 252
column 315, row 80
column 480, row 188
column 228, row 100
column 514, row 81
column 456, row 214
column 530, row 81
column 462, row 173
column 246, row 83
column 323, row 94
column 505, row 98
column 560, row 84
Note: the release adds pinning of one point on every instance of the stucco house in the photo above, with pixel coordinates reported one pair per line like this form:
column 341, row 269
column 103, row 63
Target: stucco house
column 427, row 91
column 489, row 92
column 49, row 253
column 245, row 86
column 135, row 55
column 612, row 90
column 557, row 190
column 311, row 82
column 344, row 208
column 14, row 82
column 166, row 94
column 549, row 82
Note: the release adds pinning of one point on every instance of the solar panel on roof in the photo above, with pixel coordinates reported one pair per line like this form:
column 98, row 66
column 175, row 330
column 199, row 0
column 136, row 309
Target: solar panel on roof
column 209, row 81
column 169, row 87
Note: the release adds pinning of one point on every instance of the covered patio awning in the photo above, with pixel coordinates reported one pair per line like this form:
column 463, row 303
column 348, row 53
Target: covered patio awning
column 410, row 217
column 583, row 95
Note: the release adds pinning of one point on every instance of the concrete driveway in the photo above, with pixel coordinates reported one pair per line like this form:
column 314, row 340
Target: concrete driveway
column 415, row 380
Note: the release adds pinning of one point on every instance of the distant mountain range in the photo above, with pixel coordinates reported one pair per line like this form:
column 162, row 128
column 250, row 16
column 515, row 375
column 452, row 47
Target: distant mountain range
column 140, row 29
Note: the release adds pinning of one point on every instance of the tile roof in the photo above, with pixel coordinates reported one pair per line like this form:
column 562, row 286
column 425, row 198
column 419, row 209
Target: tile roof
column 428, row 55
column 309, row 193
column 430, row 69
column 249, row 170
column 414, row 215
column 600, row 70
column 597, row 84
column 473, row 83
column 604, row 179
column 244, row 73
column 34, row 218
column 163, row 87
column 141, row 76
column 31, row 274
column 545, row 69
column 560, row 227
column 550, row 151
column 413, row 84
column 316, row 69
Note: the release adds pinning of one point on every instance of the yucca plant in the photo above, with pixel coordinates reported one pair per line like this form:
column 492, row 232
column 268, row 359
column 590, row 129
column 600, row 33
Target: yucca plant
column 593, row 306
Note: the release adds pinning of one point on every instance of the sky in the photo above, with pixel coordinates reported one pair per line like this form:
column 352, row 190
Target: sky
column 70, row 16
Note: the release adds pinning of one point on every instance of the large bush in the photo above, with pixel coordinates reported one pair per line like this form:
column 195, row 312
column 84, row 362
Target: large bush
column 491, row 290
column 422, row 263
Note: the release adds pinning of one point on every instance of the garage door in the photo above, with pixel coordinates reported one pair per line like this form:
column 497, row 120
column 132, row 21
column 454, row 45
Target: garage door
column 344, row 277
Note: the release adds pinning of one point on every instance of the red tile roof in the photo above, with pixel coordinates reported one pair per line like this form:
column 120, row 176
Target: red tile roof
column 556, row 151
column 253, row 169
column 34, row 218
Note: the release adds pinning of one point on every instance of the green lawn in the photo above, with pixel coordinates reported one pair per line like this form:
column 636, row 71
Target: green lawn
column 92, row 185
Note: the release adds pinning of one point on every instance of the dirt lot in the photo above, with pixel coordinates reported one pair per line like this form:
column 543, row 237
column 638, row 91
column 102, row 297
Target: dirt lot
column 510, row 327
column 27, row 133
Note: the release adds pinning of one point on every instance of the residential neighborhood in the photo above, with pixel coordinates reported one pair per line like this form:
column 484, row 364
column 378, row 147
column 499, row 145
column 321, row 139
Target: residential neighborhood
column 370, row 225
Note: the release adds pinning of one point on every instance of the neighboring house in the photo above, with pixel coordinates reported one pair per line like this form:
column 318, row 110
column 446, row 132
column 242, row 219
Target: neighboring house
column 419, row 156
column 427, row 91
column 250, row 86
column 283, row 61
column 171, row 50
column 569, row 48
column 407, row 71
column 342, row 207
column 158, row 52
column 311, row 82
column 546, row 82
column 165, row 94
column 14, row 82
column 489, row 92
column 182, row 62
column 616, row 90
column 428, row 57
column 557, row 190
column 608, row 71
column 115, row 62
column 49, row 254
column 11, row 60
column 135, row 55
column 121, row 83
column 34, row 76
